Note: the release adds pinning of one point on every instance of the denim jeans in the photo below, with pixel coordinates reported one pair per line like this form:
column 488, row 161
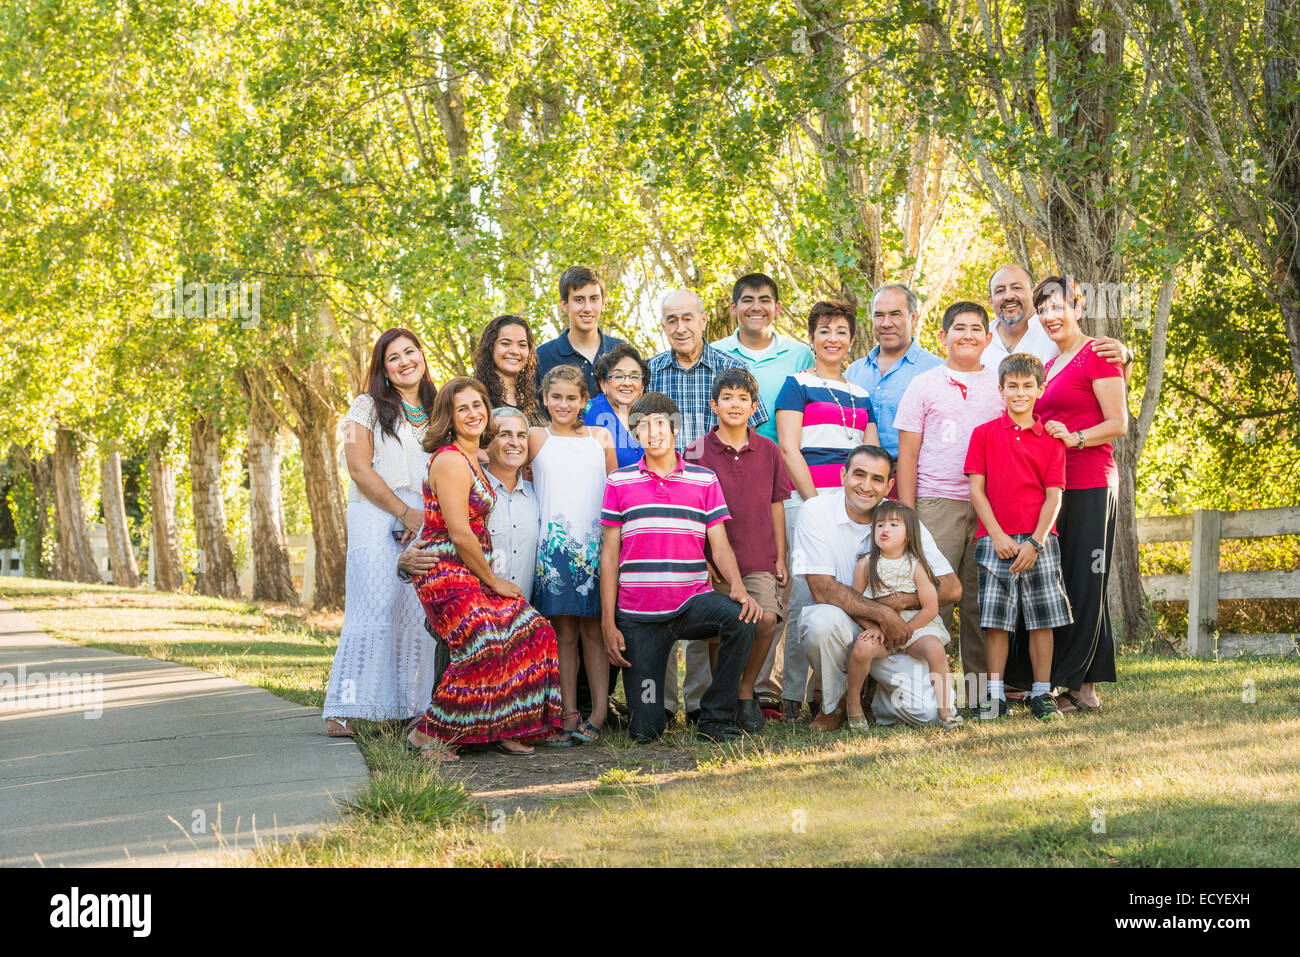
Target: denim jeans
column 649, row 642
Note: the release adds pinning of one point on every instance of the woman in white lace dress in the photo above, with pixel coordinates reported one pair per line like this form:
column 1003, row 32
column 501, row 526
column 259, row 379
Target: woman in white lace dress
column 383, row 667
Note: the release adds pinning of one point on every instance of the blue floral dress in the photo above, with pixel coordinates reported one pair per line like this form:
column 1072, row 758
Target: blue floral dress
column 569, row 478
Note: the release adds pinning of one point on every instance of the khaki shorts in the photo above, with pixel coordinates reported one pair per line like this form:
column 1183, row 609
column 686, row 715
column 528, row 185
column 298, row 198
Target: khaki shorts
column 763, row 589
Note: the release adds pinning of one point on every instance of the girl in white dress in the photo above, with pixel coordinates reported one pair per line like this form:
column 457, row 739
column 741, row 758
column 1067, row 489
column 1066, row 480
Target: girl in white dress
column 383, row 666
column 896, row 565
column 570, row 461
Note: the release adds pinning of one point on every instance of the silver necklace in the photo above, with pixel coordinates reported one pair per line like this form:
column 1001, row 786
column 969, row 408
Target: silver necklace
column 844, row 424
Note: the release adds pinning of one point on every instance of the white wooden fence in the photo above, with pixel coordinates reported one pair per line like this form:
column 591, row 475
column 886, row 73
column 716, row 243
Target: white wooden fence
column 1206, row 585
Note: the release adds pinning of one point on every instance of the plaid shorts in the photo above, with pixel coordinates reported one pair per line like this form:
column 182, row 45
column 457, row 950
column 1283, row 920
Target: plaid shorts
column 1039, row 592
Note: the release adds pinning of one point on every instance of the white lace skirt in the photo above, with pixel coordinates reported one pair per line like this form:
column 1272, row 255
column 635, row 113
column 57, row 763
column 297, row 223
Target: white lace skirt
column 383, row 667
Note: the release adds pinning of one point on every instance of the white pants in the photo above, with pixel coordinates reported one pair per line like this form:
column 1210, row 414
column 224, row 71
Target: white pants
column 903, row 689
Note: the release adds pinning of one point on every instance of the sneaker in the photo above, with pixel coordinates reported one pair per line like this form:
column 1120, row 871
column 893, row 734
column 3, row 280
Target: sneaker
column 1017, row 698
column 993, row 709
column 1044, row 708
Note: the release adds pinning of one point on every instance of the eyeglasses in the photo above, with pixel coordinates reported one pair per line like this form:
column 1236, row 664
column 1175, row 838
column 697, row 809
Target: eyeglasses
column 624, row 377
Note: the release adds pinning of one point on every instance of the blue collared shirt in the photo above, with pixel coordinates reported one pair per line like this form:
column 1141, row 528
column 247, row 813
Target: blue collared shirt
column 692, row 389
column 887, row 390
column 783, row 358
column 558, row 352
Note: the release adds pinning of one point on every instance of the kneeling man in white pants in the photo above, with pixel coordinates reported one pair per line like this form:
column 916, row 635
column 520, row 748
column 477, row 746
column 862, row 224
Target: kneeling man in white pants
column 828, row 537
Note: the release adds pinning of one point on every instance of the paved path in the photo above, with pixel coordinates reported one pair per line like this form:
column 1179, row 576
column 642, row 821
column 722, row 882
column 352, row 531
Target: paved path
column 229, row 764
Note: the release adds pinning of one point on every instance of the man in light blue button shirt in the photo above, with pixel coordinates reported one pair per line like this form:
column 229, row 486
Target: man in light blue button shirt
column 897, row 358
column 771, row 357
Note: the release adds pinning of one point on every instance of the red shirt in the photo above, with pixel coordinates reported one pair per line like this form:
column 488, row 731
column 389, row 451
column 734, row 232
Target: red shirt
column 1025, row 464
column 1069, row 399
column 752, row 478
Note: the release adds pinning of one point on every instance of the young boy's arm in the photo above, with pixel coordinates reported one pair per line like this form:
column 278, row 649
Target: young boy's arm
column 909, row 453
column 725, row 559
column 1027, row 554
column 782, row 553
column 1003, row 544
column 614, row 643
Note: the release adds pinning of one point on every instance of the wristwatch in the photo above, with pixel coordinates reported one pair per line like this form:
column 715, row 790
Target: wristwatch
column 1080, row 435
column 1038, row 546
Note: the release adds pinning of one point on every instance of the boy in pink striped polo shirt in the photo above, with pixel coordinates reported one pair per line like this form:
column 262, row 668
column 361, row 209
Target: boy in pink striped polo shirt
column 938, row 412
column 654, row 583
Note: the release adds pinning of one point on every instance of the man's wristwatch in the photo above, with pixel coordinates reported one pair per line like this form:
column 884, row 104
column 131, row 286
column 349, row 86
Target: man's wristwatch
column 1080, row 443
column 1038, row 546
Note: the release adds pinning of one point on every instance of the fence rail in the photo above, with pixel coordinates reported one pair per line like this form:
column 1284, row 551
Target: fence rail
column 1205, row 586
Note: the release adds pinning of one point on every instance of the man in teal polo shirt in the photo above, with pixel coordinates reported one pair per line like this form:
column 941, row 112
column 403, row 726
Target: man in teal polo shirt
column 897, row 358
column 770, row 356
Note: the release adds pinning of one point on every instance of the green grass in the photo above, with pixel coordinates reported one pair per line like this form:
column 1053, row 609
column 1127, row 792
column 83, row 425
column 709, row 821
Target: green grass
column 1181, row 768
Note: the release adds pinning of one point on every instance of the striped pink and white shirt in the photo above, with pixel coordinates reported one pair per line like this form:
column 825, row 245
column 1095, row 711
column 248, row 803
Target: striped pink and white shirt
column 835, row 419
column 663, row 520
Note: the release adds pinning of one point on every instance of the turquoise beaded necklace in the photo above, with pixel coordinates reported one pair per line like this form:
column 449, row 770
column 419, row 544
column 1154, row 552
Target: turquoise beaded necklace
column 415, row 414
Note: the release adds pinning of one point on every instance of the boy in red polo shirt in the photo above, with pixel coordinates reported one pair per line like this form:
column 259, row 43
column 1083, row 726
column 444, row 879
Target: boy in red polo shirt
column 1015, row 543
column 755, row 486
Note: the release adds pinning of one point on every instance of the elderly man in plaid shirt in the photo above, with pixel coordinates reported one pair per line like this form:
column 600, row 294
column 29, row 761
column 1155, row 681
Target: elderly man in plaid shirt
column 685, row 374
column 685, row 371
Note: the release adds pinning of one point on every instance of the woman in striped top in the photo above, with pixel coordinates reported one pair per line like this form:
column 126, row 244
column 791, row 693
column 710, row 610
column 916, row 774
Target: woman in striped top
column 820, row 418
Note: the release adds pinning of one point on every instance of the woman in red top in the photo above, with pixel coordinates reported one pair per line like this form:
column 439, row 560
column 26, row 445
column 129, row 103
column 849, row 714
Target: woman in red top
column 1083, row 406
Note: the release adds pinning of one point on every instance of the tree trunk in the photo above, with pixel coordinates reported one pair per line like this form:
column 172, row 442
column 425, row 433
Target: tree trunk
column 75, row 559
column 167, row 572
column 121, row 555
column 272, row 580
column 310, row 394
column 1282, row 121
column 216, row 568
column 39, row 546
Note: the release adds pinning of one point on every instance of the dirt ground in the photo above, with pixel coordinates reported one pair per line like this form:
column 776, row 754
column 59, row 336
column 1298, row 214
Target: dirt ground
column 548, row 775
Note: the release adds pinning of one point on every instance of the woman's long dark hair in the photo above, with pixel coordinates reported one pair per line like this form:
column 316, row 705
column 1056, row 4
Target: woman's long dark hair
column 388, row 401
column 912, row 527
column 486, row 372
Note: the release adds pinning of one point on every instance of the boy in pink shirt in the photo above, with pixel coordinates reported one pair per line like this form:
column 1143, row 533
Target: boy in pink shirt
column 1016, row 547
column 937, row 414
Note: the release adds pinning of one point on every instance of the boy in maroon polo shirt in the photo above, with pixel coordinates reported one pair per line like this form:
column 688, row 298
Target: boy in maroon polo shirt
column 755, row 487
column 1015, row 544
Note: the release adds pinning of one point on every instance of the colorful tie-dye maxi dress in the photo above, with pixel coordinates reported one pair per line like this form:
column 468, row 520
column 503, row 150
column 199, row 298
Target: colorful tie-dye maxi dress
column 504, row 678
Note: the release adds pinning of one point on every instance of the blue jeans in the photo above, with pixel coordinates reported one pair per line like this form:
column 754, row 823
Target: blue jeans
column 648, row 644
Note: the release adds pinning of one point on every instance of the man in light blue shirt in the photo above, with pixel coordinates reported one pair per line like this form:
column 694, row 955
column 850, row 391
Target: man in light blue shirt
column 771, row 357
column 897, row 358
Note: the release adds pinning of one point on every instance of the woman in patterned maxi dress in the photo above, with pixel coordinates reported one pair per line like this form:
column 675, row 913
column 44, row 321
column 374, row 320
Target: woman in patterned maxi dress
column 502, row 686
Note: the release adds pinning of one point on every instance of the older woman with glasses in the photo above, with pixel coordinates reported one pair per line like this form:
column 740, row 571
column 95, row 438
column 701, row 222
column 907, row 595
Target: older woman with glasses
column 621, row 375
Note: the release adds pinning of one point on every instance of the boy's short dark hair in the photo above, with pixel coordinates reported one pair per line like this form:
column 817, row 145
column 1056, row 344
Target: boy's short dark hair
column 575, row 277
column 653, row 403
column 735, row 379
column 822, row 311
column 1021, row 364
column 756, row 281
column 871, row 451
column 957, row 308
